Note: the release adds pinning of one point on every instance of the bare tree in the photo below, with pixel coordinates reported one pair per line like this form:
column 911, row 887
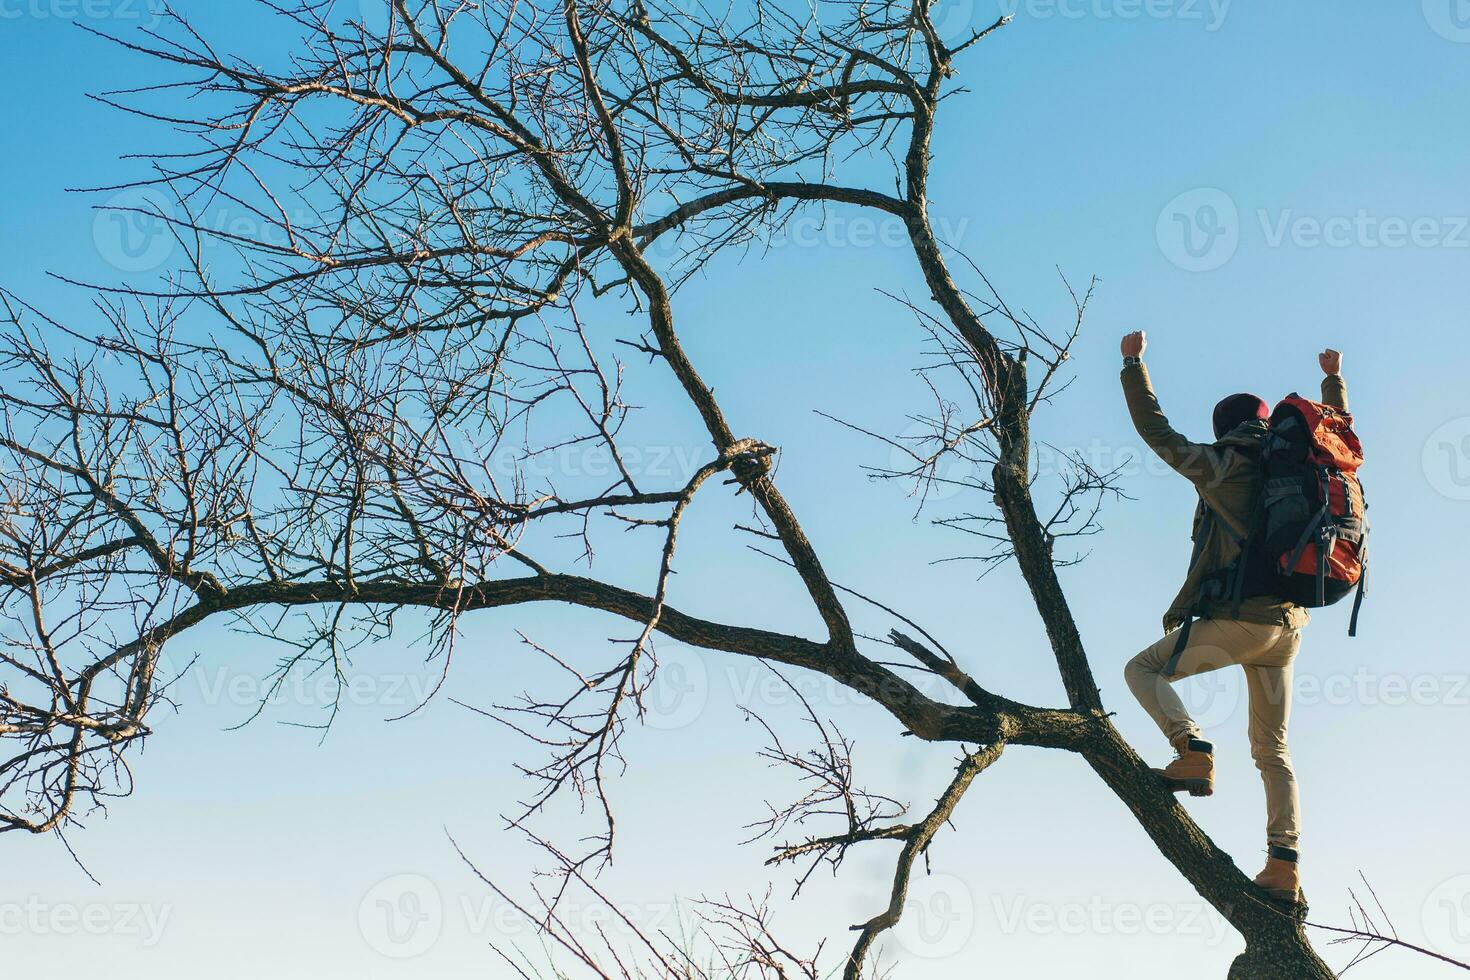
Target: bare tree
column 301, row 431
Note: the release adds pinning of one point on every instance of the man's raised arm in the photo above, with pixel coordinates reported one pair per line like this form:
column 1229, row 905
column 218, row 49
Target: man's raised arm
column 1191, row 459
column 1334, row 388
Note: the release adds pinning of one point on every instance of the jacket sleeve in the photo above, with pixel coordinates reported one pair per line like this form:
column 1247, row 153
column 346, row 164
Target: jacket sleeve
column 1196, row 461
column 1334, row 392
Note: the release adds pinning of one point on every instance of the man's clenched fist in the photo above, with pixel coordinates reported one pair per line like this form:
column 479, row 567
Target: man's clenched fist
column 1134, row 343
column 1331, row 361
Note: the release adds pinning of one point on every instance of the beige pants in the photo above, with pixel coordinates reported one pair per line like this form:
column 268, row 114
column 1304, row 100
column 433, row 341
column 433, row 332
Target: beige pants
column 1266, row 653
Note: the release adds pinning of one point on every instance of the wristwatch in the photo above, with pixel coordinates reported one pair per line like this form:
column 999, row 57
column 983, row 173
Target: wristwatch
column 1133, row 362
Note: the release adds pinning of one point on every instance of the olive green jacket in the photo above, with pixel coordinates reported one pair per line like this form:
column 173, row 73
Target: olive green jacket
column 1228, row 482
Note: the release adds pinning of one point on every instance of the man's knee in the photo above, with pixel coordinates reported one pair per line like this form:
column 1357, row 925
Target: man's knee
column 1132, row 671
column 1142, row 668
column 1271, row 755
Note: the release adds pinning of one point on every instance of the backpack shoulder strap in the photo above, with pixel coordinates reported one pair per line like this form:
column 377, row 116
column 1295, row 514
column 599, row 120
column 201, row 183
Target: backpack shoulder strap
column 1201, row 535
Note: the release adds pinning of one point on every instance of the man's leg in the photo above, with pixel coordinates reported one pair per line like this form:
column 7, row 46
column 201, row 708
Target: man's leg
column 1269, row 684
column 1213, row 643
column 1268, row 679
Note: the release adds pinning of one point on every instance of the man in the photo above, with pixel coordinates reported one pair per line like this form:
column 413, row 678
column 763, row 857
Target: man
column 1207, row 627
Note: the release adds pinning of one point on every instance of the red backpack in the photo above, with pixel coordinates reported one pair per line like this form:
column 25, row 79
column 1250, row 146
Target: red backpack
column 1315, row 531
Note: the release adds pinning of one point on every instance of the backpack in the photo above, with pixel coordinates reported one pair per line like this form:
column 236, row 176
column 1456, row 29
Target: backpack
column 1314, row 531
column 1309, row 543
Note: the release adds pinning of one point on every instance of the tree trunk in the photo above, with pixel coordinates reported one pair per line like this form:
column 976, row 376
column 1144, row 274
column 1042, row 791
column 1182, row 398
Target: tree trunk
column 1284, row 962
column 1276, row 943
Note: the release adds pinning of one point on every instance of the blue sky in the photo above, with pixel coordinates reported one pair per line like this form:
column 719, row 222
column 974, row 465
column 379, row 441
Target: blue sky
column 1315, row 156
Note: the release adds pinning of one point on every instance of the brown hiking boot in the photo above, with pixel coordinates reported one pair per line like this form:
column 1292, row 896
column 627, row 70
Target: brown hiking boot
column 1282, row 879
column 1194, row 770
